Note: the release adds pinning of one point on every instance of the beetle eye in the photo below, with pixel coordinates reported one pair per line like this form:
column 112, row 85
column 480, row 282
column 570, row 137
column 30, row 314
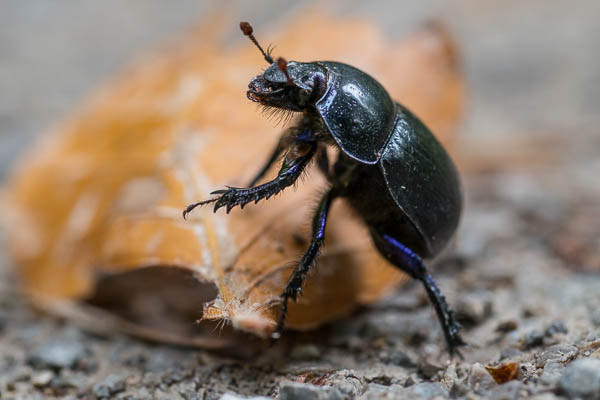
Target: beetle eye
column 305, row 79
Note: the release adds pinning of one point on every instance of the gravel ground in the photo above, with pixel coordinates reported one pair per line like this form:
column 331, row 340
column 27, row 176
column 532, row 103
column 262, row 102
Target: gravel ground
column 523, row 275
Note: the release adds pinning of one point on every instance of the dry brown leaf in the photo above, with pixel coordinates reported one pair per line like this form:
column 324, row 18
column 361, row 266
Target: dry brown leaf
column 95, row 208
column 504, row 372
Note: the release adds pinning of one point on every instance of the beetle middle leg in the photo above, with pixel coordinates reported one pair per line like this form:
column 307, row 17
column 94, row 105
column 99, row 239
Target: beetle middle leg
column 409, row 262
column 294, row 284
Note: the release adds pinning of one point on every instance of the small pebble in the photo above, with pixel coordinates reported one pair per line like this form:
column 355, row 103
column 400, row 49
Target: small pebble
column 527, row 371
column 581, row 379
column 57, row 354
column 593, row 336
column 42, row 378
column 449, row 377
column 68, row 382
column 399, row 358
column 346, row 382
column 506, row 391
column 558, row 353
column 428, row 367
column 109, row 386
column 533, row 339
column 376, row 391
column 426, row 390
column 152, row 379
column 459, row 389
column 552, row 373
column 160, row 394
column 22, row 374
column 230, row 396
column 412, row 379
column 187, row 390
column 479, row 379
column 304, row 391
column 555, row 327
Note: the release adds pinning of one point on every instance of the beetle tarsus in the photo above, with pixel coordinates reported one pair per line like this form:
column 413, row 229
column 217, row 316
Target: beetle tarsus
column 281, row 321
column 189, row 208
column 445, row 314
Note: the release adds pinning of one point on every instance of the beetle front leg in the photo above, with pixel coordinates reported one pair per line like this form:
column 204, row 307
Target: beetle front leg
column 290, row 171
column 279, row 148
column 294, row 284
column 298, row 135
column 409, row 262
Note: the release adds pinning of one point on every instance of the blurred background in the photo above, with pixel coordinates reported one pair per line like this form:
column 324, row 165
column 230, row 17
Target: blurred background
column 531, row 67
column 523, row 275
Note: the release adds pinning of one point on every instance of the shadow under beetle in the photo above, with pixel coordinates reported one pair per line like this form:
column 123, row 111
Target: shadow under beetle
column 390, row 169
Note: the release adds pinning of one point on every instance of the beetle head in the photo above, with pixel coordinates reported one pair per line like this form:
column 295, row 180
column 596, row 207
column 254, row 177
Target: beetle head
column 292, row 86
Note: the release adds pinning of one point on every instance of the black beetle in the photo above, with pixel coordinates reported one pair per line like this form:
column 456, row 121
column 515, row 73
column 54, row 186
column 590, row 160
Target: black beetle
column 390, row 168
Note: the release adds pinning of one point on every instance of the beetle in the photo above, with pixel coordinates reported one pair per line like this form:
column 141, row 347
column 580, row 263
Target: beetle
column 390, row 168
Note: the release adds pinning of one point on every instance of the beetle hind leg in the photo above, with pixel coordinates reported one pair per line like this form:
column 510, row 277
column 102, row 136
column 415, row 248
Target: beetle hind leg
column 405, row 259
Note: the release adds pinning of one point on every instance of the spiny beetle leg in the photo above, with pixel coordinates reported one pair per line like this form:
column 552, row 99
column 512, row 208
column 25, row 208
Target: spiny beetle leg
column 231, row 197
column 445, row 314
column 405, row 259
column 288, row 175
column 294, row 285
column 272, row 158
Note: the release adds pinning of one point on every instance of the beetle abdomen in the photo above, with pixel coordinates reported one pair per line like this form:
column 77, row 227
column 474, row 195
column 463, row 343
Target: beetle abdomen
column 369, row 196
column 422, row 179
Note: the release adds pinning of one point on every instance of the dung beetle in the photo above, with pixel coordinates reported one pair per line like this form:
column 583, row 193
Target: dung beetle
column 390, row 169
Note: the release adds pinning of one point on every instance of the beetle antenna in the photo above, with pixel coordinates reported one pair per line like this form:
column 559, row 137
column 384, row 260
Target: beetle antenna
column 247, row 30
column 282, row 64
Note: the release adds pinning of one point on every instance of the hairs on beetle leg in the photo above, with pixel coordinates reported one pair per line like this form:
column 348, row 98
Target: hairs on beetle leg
column 304, row 175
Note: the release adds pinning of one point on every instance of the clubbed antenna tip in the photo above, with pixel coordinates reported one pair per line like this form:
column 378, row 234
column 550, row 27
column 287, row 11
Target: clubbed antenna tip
column 248, row 31
column 246, row 28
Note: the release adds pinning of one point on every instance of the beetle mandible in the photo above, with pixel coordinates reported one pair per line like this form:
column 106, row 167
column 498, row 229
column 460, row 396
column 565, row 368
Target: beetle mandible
column 390, row 169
